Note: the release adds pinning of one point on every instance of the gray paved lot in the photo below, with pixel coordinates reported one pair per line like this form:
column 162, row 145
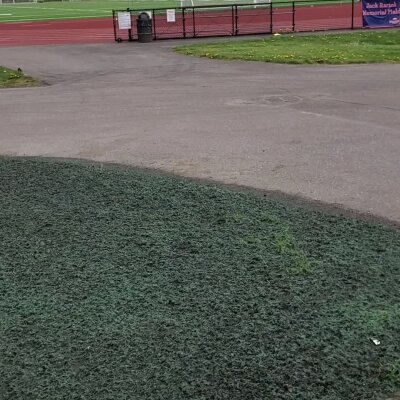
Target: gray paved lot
column 329, row 133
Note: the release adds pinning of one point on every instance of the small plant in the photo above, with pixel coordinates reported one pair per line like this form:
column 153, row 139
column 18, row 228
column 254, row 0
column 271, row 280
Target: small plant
column 286, row 245
column 302, row 263
column 376, row 320
column 393, row 375
column 13, row 76
column 267, row 218
column 284, row 242
column 236, row 217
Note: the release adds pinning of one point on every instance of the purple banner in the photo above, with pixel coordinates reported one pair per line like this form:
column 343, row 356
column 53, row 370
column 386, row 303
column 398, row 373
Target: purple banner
column 385, row 13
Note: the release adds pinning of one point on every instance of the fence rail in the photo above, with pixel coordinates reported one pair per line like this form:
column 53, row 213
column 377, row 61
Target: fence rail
column 245, row 19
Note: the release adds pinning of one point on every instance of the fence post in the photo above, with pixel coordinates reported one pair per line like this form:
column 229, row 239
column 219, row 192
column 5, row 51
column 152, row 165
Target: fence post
column 352, row 14
column 184, row 22
column 194, row 22
column 154, row 24
column 236, row 20
column 293, row 16
column 233, row 19
column 130, row 30
column 271, row 17
column 114, row 26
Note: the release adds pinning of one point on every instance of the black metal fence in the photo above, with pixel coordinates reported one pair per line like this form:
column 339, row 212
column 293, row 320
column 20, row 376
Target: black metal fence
column 243, row 19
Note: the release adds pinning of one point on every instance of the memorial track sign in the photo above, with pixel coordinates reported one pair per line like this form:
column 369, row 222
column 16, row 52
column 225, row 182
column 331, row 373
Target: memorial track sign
column 381, row 14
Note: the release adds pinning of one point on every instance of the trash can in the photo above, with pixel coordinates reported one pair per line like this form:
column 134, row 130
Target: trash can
column 144, row 28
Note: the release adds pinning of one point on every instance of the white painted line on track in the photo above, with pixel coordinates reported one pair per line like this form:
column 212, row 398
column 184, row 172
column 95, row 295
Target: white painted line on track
column 22, row 20
column 66, row 9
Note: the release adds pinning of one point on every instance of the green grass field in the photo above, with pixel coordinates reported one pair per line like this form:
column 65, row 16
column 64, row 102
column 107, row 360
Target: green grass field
column 54, row 10
column 12, row 79
column 347, row 48
column 66, row 10
column 119, row 284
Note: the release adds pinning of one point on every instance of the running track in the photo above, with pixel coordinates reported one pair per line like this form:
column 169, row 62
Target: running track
column 97, row 30
column 100, row 30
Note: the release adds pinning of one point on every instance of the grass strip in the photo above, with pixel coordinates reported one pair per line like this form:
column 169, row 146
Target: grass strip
column 13, row 79
column 346, row 48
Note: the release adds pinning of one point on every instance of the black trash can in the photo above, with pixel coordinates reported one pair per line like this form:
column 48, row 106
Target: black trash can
column 144, row 28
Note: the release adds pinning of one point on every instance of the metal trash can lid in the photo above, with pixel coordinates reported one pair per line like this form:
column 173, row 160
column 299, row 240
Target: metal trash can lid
column 144, row 15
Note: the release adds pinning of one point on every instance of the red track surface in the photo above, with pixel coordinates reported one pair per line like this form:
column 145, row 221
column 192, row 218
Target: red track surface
column 100, row 30
column 252, row 21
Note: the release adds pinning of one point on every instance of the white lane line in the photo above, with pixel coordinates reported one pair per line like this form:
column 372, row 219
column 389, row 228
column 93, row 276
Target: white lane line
column 67, row 9
column 51, row 18
column 59, row 9
column 56, row 15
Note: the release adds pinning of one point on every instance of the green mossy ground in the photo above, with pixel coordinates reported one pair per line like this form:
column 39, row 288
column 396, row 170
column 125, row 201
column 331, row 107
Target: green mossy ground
column 118, row 284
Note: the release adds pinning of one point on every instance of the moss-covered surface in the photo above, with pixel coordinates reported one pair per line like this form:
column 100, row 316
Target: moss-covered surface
column 117, row 284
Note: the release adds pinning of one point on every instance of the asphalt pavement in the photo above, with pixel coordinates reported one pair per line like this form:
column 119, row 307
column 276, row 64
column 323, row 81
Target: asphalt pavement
column 325, row 133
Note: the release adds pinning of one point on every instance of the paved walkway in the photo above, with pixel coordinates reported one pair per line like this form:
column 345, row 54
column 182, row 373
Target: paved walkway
column 328, row 133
